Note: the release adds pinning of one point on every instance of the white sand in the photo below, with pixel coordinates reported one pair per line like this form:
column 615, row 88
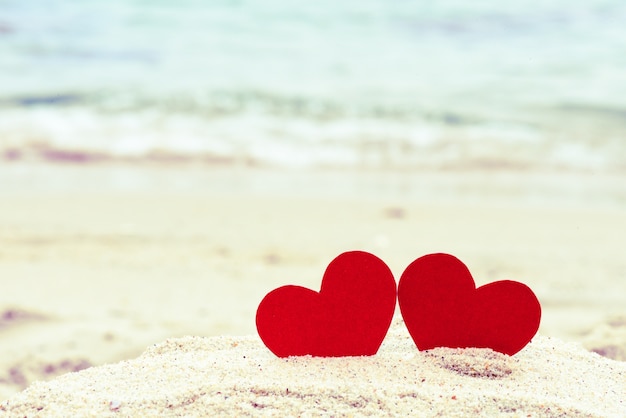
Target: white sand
column 93, row 274
column 230, row 376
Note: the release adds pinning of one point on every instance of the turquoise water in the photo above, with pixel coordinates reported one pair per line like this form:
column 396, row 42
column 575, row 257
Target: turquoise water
column 372, row 83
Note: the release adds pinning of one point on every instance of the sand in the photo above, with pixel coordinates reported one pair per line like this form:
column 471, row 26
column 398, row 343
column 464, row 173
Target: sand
column 99, row 263
column 238, row 376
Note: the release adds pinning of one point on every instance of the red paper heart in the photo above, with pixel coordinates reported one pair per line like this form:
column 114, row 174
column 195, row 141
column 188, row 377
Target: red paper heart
column 349, row 316
column 442, row 307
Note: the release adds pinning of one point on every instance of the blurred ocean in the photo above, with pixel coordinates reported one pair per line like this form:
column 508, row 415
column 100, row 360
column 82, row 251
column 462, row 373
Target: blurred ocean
column 358, row 83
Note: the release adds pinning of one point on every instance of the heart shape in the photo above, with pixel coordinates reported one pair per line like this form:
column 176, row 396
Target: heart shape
column 442, row 307
column 350, row 315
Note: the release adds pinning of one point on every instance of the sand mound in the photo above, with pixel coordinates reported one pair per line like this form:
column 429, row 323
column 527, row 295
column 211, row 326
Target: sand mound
column 222, row 376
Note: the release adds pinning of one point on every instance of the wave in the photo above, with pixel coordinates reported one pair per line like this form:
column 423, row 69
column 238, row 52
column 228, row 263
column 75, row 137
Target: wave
column 264, row 130
column 225, row 103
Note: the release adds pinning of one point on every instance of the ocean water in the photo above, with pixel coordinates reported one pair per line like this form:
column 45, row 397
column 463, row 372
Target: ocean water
column 358, row 83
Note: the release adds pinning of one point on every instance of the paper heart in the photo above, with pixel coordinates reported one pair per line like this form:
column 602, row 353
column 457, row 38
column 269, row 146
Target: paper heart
column 442, row 307
column 349, row 316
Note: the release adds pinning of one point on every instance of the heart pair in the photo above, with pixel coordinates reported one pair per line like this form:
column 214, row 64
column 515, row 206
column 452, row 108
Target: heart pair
column 438, row 300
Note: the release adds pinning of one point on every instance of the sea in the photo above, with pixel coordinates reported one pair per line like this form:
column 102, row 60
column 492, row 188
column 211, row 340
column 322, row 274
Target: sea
column 401, row 84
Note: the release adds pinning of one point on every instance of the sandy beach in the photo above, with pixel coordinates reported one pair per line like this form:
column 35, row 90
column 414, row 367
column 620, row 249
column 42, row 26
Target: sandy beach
column 95, row 275
column 165, row 165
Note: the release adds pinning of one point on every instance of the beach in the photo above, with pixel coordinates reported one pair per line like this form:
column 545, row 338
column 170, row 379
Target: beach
column 165, row 165
column 94, row 276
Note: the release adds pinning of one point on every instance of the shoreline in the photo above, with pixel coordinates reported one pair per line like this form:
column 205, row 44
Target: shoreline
column 556, row 188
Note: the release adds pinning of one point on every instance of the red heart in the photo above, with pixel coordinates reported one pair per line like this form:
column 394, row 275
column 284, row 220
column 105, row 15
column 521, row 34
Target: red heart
column 442, row 307
column 349, row 316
